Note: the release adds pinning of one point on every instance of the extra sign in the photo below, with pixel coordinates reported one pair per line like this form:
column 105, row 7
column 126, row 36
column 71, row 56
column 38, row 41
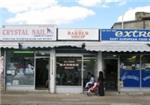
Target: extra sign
column 125, row 35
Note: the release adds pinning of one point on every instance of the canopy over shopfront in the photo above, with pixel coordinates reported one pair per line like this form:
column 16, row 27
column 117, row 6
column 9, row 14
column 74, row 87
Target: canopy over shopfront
column 118, row 46
column 90, row 46
column 26, row 45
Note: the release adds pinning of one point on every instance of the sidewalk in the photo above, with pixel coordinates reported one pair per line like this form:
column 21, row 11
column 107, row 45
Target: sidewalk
column 44, row 98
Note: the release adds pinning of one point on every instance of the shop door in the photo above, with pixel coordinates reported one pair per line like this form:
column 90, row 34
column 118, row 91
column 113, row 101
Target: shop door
column 111, row 74
column 42, row 69
column 69, row 74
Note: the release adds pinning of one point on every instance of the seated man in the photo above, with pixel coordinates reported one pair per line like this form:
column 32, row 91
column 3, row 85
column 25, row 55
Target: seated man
column 91, row 82
column 94, row 88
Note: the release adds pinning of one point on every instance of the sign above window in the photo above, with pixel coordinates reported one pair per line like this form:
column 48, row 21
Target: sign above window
column 125, row 35
column 78, row 34
column 28, row 33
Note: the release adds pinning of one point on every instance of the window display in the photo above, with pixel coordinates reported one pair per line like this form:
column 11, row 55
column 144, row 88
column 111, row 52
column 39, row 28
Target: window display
column 135, row 70
column 130, row 70
column 145, row 70
column 145, row 62
column 130, row 62
column 20, row 68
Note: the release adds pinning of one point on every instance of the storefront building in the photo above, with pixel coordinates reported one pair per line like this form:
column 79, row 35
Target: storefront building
column 35, row 58
column 129, row 51
column 44, row 57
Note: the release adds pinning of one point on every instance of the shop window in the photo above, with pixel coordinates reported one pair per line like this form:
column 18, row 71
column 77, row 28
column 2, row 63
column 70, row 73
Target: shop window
column 42, row 53
column 68, row 71
column 89, row 67
column 20, row 68
column 145, row 70
column 130, row 70
column 145, row 62
column 130, row 62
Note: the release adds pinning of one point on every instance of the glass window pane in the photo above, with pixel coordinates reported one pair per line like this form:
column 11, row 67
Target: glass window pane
column 145, row 62
column 89, row 67
column 68, row 70
column 145, row 67
column 130, row 70
column 130, row 62
column 20, row 68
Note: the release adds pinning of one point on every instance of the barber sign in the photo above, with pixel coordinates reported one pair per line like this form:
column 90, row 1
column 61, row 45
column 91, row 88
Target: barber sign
column 78, row 34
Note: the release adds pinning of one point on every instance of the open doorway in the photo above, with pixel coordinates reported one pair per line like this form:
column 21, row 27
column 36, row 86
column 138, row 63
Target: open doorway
column 111, row 74
column 41, row 81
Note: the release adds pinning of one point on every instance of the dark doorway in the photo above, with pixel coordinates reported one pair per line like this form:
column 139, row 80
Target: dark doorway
column 111, row 74
column 42, row 73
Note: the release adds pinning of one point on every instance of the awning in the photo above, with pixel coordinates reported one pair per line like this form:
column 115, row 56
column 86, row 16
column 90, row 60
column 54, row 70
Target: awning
column 8, row 45
column 119, row 47
column 90, row 46
column 39, row 44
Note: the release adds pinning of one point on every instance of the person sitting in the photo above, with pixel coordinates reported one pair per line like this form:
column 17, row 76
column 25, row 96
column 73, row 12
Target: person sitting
column 94, row 88
column 91, row 82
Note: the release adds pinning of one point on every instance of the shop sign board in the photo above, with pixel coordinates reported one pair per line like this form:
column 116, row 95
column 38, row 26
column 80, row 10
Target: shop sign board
column 28, row 33
column 125, row 35
column 78, row 34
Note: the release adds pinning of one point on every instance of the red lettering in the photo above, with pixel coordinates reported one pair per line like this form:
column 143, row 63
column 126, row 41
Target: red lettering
column 78, row 34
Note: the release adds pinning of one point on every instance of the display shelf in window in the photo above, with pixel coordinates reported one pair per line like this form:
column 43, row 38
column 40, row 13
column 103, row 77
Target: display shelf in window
column 11, row 69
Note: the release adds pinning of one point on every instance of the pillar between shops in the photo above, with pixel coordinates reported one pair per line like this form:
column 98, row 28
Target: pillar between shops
column 99, row 63
column 52, row 72
column 1, row 71
column 0, row 52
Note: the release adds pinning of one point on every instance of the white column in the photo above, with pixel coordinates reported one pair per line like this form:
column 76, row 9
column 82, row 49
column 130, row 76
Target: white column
column 52, row 73
column 99, row 63
column 0, row 52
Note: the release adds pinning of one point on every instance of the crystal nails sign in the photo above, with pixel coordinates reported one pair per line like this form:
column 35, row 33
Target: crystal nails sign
column 28, row 32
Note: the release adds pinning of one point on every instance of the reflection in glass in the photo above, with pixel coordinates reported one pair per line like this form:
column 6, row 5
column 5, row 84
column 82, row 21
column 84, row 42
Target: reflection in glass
column 68, row 70
column 145, row 62
column 89, row 67
column 130, row 62
column 20, row 68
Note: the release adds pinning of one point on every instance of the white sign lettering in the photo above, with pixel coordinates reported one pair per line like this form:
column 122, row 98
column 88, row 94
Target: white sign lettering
column 133, row 77
column 146, row 78
column 133, row 33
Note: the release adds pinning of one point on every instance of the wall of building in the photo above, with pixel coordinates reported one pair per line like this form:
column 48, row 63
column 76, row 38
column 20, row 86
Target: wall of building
column 142, row 21
column 140, row 24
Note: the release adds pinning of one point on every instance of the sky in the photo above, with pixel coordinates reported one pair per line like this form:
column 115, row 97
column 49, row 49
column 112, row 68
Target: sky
column 71, row 13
